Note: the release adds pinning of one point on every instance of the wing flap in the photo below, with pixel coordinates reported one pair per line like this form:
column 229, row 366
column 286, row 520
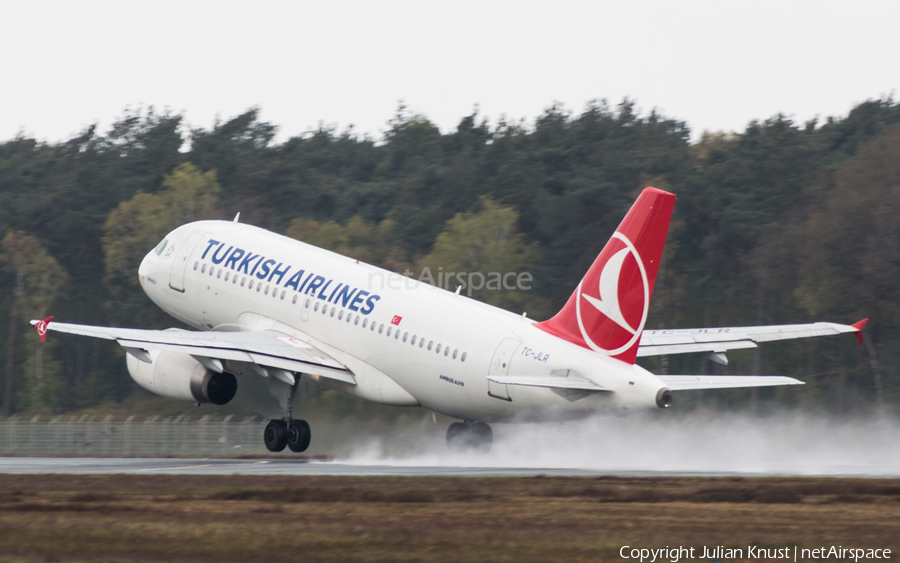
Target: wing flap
column 689, row 382
column 265, row 348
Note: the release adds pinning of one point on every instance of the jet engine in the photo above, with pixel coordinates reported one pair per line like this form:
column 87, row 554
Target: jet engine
column 179, row 376
column 663, row 398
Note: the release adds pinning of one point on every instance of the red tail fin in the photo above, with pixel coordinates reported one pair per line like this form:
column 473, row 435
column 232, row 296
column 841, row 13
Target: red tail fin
column 609, row 308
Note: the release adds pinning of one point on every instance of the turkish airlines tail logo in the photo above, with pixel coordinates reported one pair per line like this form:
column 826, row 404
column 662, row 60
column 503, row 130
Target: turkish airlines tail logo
column 41, row 327
column 608, row 309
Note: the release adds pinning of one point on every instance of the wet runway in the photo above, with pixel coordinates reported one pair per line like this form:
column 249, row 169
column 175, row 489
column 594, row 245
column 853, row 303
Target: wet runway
column 282, row 467
column 168, row 466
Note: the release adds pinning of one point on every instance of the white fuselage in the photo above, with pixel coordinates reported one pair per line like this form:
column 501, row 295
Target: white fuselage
column 203, row 275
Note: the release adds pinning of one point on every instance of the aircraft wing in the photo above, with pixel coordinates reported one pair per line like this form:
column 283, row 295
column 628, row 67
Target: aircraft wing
column 269, row 349
column 718, row 340
column 689, row 382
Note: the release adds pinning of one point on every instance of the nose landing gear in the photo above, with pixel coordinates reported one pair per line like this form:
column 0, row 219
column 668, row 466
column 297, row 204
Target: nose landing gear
column 470, row 436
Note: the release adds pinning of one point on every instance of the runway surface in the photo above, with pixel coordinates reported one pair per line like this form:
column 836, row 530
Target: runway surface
column 168, row 466
column 274, row 466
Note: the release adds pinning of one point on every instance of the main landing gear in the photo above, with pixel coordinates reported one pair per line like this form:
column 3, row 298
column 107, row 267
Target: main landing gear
column 289, row 432
column 468, row 435
column 294, row 434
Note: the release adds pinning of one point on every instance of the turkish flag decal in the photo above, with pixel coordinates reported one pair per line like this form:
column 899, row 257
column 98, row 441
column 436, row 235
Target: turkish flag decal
column 396, row 320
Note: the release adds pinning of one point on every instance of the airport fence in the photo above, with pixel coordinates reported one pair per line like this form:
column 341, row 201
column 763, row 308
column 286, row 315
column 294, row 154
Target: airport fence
column 154, row 436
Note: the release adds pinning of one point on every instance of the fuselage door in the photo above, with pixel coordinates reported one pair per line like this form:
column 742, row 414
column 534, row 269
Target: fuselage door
column 500, row 366
column 179, row 266
column 307, row 305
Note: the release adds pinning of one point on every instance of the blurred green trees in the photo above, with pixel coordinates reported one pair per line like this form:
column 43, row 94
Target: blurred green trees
column 779, row 223
column 137, row 225
column 39, row 282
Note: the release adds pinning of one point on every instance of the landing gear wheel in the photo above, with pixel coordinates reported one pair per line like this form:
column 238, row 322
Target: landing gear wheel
column 298, row 435
column 275, row 435
column 458, row 437
column 465, row 436
column 481, row 438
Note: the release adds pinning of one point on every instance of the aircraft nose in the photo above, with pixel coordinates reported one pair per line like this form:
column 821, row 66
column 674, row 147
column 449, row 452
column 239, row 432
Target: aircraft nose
column 145, row 269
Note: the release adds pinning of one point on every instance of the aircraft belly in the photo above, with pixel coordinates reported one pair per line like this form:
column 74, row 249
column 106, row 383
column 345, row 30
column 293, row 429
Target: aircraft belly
column 459, row 393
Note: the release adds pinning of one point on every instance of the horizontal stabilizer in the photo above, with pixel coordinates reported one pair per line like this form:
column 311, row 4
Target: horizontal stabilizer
column 689, row 382
column 549, row 381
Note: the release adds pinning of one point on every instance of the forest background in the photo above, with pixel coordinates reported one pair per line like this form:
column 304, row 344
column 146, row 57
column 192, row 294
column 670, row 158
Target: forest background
column 781, row 223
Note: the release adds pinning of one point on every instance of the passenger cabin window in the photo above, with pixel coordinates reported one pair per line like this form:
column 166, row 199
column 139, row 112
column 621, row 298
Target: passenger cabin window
column 332, row 311
column 227, row 276
column 316, row 308
column 294, row 300
column 381, row 328
column 211, row 270
column 203, row 269
column 308, row 300
column 364, row 322
column 341, row 315
column 196, row 265
column 219, row 275
column 389, row 331
column 463, row 357
column 421, row 343
column 413, row 340
column 243, row 280
column 282, row 294
column 454, row 353
column 446, row 351
column 438, row 351
column 249, row 284
column 405, row 336
column 430, row 344
column 356, row 322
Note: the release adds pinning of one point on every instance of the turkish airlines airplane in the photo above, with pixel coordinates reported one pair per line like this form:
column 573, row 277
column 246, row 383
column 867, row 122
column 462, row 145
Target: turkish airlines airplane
column 272, row 311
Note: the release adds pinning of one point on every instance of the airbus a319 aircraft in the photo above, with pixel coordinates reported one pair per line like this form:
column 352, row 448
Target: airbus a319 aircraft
column 272, row 311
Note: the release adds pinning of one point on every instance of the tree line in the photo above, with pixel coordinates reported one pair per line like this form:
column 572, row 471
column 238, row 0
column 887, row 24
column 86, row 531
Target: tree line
column 782, row 222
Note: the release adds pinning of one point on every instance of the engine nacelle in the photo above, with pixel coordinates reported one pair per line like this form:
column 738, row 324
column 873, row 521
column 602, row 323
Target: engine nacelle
column 179, row 376
column 663, row 398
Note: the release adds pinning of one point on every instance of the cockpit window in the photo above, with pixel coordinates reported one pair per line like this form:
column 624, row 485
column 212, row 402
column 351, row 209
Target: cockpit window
column 162, row 246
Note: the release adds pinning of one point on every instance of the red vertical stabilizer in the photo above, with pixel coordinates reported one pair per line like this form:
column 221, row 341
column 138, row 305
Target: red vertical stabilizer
column 609, row 308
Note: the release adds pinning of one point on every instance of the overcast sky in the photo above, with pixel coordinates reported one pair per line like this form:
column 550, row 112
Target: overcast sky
column 715, row 64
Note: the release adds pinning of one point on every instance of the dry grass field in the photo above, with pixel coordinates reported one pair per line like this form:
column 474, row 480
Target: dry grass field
column 281, row 519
